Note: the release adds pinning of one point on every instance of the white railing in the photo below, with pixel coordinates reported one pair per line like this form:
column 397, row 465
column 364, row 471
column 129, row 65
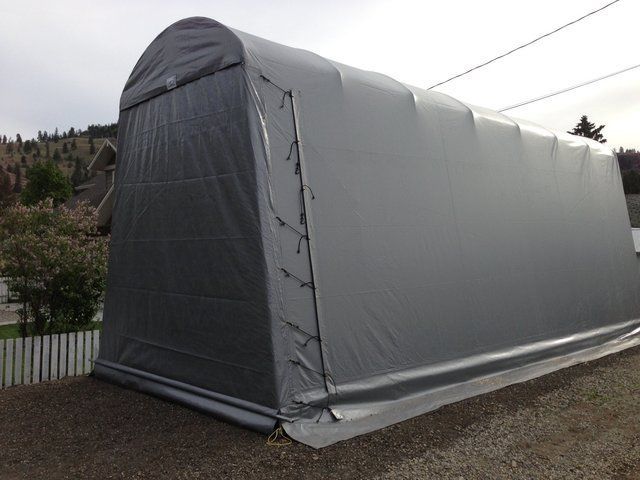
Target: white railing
column 37, row 359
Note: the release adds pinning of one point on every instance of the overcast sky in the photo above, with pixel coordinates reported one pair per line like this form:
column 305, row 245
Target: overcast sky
column 65, row 63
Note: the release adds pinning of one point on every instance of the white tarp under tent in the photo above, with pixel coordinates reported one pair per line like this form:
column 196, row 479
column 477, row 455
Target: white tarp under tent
column 303, row 244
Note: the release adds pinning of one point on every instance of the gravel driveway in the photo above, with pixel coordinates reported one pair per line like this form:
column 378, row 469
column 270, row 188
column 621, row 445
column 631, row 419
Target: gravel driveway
column 582, row 422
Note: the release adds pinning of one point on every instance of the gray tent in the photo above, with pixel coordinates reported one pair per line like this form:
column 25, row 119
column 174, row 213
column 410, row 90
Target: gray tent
column 303, row 243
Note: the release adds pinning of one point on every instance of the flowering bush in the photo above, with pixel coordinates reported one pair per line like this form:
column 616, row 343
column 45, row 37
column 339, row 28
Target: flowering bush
column 56, row 264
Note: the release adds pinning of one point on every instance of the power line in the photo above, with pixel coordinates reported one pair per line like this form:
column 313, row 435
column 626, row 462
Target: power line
column 523, row 45
column 564, row 90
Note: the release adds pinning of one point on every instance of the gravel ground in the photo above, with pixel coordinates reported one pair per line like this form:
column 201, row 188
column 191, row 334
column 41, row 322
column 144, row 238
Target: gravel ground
column 582, row 422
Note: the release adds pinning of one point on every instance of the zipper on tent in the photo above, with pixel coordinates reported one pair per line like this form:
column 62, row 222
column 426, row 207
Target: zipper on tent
column 303, row 221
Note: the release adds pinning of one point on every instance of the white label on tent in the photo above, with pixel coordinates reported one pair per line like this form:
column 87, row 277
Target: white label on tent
column 172, row 82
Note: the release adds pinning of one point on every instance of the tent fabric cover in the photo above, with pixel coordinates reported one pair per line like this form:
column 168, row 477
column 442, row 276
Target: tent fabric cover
column 303, row 243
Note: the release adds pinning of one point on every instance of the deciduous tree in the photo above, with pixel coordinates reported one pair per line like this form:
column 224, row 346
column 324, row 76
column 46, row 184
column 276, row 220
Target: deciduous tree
column 46, row 181
column 56, row 264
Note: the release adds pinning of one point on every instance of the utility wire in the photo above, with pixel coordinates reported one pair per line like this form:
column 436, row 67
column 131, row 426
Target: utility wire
column 564, row 90
column 523, row 45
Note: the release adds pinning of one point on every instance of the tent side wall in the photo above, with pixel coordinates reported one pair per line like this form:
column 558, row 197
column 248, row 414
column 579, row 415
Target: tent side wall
column 455, row 249
column 187, row 313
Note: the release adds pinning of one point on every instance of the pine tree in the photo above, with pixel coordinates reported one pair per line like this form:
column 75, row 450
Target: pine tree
column 584, row 128
column 4, row 139
column 18, row 139
column 56, row 155
column 73, row 144
column 72, row 132
column 65, row 147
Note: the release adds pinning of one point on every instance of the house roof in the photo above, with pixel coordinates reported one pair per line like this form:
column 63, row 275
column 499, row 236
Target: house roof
column 94, row 192
column 104, row 156
column 91, row 191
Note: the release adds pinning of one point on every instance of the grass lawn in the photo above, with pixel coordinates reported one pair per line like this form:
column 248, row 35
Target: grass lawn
column 11, row 331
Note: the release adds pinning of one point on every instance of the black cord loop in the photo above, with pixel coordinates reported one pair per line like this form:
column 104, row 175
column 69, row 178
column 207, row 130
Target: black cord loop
column 302, row 282
column 295, row 142
column 313, row 197
column 324, row 375
column 303, row 236
column 277, row 86
column 303, row 216
column 285, row 224
column 284, row 95
column 311, row 337
column 295, row 362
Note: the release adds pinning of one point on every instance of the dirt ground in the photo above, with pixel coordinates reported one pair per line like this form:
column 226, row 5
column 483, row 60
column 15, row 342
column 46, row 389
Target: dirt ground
column 582, row 422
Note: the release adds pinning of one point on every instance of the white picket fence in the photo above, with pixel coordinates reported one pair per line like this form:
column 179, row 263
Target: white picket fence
column 37, row 359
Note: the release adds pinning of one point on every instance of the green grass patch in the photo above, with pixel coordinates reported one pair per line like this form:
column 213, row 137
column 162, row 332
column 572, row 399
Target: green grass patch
column 12, row 331
column 9, row 331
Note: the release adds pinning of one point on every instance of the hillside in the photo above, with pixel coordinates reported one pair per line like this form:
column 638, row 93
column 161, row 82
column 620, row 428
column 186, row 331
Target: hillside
column 66, row 162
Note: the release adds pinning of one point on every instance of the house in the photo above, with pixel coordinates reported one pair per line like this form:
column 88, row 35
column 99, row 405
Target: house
column 98, row 190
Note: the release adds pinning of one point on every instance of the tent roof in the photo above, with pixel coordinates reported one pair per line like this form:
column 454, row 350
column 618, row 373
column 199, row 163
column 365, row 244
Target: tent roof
column 197, row 46
column 185, row 51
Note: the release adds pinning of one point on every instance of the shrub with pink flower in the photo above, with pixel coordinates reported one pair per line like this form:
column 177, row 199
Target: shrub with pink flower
column 56, row 263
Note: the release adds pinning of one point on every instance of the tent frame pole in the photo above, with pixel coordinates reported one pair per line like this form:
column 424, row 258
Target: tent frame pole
column 298, row 142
